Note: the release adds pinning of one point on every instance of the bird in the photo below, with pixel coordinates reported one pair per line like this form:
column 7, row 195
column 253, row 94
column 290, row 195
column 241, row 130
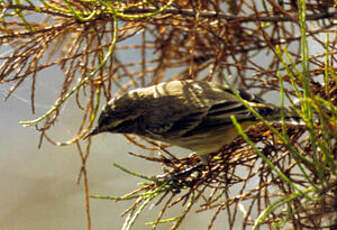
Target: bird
column 191, row 114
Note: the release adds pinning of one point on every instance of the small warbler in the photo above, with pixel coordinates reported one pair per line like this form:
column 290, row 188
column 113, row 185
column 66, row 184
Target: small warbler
column 188, row 113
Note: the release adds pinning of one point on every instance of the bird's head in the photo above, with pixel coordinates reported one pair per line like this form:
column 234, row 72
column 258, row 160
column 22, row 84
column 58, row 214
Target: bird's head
column 119, row 115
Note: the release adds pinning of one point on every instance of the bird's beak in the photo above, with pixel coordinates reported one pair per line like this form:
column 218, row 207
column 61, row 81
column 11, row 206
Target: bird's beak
column 93, row 132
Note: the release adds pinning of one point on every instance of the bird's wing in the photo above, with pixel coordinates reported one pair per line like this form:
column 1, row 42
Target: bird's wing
column 218, row 117
column 168, row 121
column 195, row 106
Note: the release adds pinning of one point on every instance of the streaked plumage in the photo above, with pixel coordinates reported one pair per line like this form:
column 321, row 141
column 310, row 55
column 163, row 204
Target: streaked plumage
column 186, row 113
